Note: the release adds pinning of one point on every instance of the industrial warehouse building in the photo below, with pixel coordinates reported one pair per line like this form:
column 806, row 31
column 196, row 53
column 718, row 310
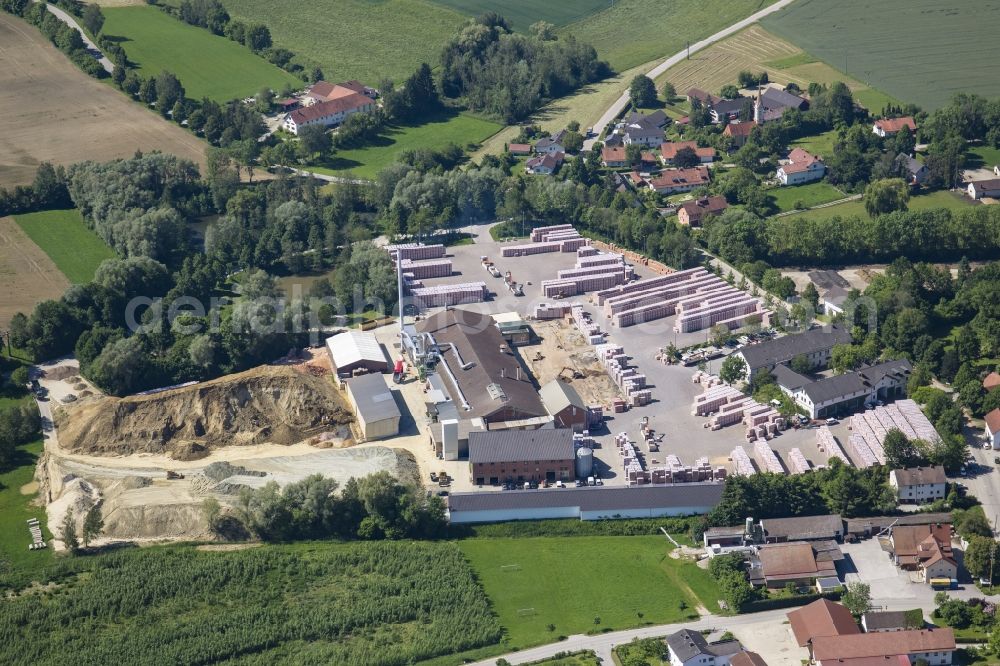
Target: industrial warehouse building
column 815, row 345
column 374, row 405
column 565, row 405
column 356, row 350
column 587, row 503
column 521, row 455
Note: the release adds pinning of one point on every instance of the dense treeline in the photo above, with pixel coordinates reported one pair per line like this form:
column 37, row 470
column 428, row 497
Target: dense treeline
column 66, row 39
column 373, row 507
column 925, row 235
column 19, row 424
column 371, row 604
column 47, row 191
column 507, row 75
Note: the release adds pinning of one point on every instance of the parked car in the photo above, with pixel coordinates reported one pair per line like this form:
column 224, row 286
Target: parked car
column 560, row 484
column 831, row 422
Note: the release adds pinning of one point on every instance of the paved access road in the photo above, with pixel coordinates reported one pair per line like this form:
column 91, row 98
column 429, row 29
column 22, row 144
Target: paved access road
column 622, row 101
column 91, row 46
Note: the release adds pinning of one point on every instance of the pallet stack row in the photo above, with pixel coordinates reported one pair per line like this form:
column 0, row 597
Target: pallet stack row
column 415, row 251
column 538, row 234
column 742, row 466
column 825, row 441
column 635, row 473
column 451, row 294
column 586, row 251
column 564, row 288
column 797, row 462
column 431, row 268
column 767, row 460
column 552, row 310
column 529, row 249
column 910, row 411
column 861, row 451
column 728, row 306
column 628, row 379
column 591, row 331
column 599, row 259
column 714, row 397
column 648, row 283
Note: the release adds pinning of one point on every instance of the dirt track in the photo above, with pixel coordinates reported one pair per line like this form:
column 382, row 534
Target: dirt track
column 54, row 112
column 27, row 275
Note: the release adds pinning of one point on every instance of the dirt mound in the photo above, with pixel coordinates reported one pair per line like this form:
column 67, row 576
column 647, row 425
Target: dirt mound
column 267, row 404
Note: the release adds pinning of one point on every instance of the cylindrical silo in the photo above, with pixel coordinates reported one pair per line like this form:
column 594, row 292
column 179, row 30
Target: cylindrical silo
column 584, row 462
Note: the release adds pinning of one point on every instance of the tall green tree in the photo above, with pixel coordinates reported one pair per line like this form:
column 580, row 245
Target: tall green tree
column 642, row 91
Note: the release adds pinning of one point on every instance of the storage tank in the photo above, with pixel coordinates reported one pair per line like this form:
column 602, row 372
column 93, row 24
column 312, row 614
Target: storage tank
column 584, row 462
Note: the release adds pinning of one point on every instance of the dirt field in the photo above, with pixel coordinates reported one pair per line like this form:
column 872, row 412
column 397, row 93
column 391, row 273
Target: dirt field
column 562, row 347
column 54, row 112
column 27, row 275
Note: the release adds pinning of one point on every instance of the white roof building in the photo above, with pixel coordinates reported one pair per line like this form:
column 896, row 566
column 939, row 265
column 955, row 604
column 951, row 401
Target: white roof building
column 356, row 349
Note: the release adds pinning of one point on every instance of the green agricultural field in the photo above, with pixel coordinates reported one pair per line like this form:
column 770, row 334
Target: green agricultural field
column 921, row 51
column 356, row 39
column 939, row 199
column 806, row 196
column 73, row 248
column 582, row 584
column 522, row 13
column 461, row 129
column 206, row 64
column 633, row 32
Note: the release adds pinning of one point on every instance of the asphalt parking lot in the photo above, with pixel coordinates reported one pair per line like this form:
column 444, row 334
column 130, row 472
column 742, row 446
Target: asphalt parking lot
column 673, row 391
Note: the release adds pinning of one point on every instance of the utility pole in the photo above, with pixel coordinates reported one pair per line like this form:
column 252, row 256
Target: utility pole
column 689, row 50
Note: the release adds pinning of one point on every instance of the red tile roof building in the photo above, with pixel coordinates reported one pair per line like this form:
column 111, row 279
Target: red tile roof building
column 692, row 213
column 934, row 645
column 614, row 157
column 669, row 150
column 332, row 112
column 891, row 126
column 820, row 619
column 679, row 180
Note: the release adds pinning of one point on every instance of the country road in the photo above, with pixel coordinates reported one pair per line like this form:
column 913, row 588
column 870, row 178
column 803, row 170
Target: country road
column 620, row 104
column 91, row 46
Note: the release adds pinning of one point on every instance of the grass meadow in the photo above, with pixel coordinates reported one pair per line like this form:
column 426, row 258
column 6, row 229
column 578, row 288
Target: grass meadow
column 937, row 48
column 462, row 129
column 818, row 144
column 206, row 64
column 15, row 509
column 939, row 199
column 522, row 13
column 810, row 194
column 73, row 248
column 585, row 584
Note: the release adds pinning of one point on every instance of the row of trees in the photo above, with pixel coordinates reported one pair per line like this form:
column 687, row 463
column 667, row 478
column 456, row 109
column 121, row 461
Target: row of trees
column 47, row 191
column 372, row 507
column 19, row 424
column 66, row 38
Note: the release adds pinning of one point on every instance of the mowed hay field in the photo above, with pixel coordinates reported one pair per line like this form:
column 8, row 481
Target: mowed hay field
column 920, row 51
column 522, row 13
column 27, row 275
column 756, row 49
column 633, row 32
column 61, row 234
column 53, row 112
column 572, row 581
column 356, row 39
column 206, row 64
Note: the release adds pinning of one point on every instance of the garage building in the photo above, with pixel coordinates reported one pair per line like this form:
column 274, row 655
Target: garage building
column 374, row 405
column 355, row 350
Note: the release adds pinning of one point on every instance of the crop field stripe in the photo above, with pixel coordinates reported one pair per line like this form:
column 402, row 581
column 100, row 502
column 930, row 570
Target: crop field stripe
column 207, row 65
column 73, row 248
column 953, row 47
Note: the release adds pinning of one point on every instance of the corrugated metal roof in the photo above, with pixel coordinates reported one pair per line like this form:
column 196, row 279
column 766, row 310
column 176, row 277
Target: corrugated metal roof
column 354, row 346
column 596, row 498
column 558, row 395
column 518, row 445
column 372, row 397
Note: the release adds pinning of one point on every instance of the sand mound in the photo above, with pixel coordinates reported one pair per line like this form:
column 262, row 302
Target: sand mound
column 267, row 404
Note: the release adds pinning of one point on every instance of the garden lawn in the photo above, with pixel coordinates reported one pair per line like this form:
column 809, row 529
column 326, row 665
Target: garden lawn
column 73, row 248
column 633, row 32
column 939, row 199
column 581, row 584
column 982, row 157
column 207, row 65
column 356, row 39
column 820, row 145
column 809, row 195
column 522, row 13
column 366, row 162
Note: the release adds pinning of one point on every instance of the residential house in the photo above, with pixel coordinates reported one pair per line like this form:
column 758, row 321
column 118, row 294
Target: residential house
column 497, row 457
column 669, row 150
column 772, row 103
column 635, row 179
column 672, row 181
column 614, row 140
column 519, row 149
column 800, row 168
column 834, row 300
column 739, row 132
column 888, row 621
column 916, row 485
column 925, row 549
column 815, row 345
column 984, row 188
column 544, row 164
column 655, row 119
column 551, row 144
column 565, row 405
column 726, row 110
column 992, row 381
column 328, row 113
column 796, row 562
column 993, row 428
column 839, row 394
column 935, row 646
column 916, row 171
column 642, row 134
column 821, row 619
column 614, row 157
column 692, row 213
column 747, row 658
column 689, row 648
column 887, row 127
column 648, row 160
